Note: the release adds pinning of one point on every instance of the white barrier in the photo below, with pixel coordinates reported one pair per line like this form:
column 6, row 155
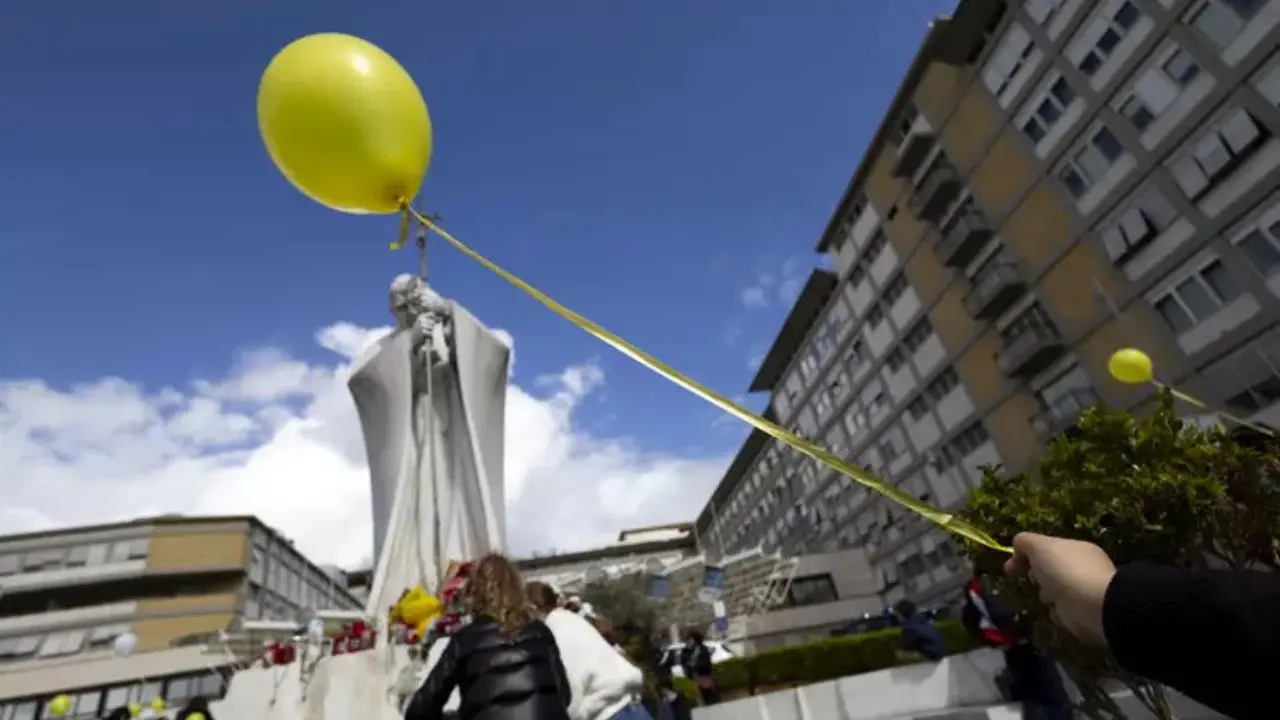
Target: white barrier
column 960, row 687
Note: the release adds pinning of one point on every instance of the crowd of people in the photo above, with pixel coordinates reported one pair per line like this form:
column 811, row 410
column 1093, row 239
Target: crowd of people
column 530, row 653
column 1213, row 635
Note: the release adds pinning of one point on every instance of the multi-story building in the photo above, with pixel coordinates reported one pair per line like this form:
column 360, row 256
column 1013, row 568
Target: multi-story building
column 1054, row 180
column 173, row 582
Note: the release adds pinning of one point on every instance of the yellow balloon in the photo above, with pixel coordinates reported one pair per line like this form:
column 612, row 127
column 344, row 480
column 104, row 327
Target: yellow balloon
column 157, row 704
column 196, row 716
column 59, row 706
column 1130, row 366
column 345, row 123
column 134, row 709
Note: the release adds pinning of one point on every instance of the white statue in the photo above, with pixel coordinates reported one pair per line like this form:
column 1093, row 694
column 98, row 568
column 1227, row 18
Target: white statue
column 431, row 398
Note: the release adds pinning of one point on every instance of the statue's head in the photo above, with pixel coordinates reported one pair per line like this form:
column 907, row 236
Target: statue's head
column 404, row 291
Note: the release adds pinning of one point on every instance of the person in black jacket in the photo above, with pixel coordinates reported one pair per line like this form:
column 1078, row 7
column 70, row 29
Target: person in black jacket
column 504, row 663
column 1213, row 635
column 695, row 660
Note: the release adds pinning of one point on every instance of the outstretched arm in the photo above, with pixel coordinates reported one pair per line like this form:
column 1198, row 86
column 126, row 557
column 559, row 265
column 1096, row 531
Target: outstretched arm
column 1212, row 634
column 429, row 701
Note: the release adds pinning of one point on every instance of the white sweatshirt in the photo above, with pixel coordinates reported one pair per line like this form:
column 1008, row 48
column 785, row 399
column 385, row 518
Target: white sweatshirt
column 603, row 681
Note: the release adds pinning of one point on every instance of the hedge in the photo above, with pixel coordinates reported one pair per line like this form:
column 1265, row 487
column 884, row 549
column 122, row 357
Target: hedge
column 822, row 660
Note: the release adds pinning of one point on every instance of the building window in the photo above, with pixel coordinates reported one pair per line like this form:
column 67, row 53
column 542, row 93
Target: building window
column 874, row 317
column 1197, row 297
column 895, row 360
column 918, row 408
column 969, row 439
column 811, row 590
column 1222, row 21
column 918, row 334
column 1113, row 31
column 1049, row 110
column 1267, row 81
column 1008, row 61
column 1150, row 213
column 905, row 121
column 1157, row 88
column 1218, row 153
column 893, row 444
column 10, row 565
column 1033, row 319
column 1091, row 163
column 1261, row 245
column 895, row 289
column 1042, row 11
column 877, row 245
column 942, row 385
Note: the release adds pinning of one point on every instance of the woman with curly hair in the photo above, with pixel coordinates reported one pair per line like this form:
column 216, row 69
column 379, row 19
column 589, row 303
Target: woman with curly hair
column 505, row 663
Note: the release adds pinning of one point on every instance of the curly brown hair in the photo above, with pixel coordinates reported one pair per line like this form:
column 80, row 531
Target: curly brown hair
column 542, row 595
column 496, row 590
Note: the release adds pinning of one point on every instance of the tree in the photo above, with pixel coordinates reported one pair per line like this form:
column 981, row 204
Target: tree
column 1156, row 490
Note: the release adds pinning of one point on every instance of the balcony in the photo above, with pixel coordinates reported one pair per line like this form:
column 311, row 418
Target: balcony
column 935, row 194
column 1061, row 414
column 1029, row 352
column 914, row 149
column 994, row 290
column 962, row 238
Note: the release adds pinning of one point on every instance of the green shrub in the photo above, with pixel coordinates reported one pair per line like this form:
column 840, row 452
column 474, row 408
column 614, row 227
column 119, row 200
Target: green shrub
column 825, row 659
column 1155, row 490
column 687, row 688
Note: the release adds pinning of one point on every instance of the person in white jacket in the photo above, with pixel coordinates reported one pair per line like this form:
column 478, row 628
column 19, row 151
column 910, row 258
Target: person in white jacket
column 604, row 683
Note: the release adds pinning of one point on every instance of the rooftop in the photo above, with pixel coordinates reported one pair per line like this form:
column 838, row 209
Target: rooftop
column 951, row 40
column 811, row 301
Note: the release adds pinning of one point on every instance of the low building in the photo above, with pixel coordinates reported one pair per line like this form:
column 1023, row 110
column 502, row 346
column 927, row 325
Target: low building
column 175, row 583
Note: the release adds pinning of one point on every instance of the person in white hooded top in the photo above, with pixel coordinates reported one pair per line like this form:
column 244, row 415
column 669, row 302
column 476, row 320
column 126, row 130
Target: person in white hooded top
column 604, row 683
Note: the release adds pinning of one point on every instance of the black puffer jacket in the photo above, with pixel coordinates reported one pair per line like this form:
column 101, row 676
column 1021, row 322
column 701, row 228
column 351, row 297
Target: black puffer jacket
column 517, row 677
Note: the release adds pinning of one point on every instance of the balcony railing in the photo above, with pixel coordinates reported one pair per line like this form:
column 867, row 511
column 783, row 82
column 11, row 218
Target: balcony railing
column 1029, row 352
column 1063, row 412
column 994, row 290
column 962, row 238
column 934, row 196
column 913, row 150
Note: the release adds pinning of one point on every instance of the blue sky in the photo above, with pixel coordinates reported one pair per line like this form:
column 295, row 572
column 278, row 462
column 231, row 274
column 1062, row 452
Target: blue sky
column 644, row 162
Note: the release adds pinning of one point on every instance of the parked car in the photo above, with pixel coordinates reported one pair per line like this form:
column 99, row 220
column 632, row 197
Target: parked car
column 884, row 620
column 671, row 656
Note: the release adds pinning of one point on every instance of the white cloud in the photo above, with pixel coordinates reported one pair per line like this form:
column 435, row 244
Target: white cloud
column 278, row 438
column 755, row 297
column 778, row 287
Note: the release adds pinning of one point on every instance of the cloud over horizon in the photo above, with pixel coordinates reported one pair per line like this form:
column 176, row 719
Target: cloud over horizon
column 278, row 437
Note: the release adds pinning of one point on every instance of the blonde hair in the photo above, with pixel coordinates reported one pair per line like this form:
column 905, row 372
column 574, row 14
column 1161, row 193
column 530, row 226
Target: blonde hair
column 495, row 589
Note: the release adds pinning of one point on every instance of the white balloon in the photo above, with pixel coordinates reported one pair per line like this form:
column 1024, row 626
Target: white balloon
column 124, row 644
column 316, row 628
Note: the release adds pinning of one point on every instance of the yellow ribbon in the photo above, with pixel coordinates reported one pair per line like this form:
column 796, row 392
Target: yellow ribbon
column 945, row 520
column 1196, row 402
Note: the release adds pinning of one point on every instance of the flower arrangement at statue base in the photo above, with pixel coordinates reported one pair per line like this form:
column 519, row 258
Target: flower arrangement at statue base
column 419, row 618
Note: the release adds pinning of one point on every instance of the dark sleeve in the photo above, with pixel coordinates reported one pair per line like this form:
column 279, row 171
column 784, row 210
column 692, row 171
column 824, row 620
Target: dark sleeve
column 910, row 637
column 429, row 701
column 1213, row 635
column 563, row 690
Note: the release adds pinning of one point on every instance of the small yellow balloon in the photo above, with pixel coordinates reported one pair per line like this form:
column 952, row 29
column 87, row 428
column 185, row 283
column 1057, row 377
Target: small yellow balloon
column 157, row 704
column 345, row 123
column 59, row 705
column 134, row 709
column 1131, row 366
column 196, row 716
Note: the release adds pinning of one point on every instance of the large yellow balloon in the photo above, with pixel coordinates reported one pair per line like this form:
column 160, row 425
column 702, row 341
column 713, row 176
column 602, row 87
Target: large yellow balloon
column 59, row 706
column 1130, row 366
column 157, row 704
column 345, row 123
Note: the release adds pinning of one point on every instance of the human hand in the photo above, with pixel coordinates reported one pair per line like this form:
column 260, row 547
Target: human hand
column 1072, row 577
